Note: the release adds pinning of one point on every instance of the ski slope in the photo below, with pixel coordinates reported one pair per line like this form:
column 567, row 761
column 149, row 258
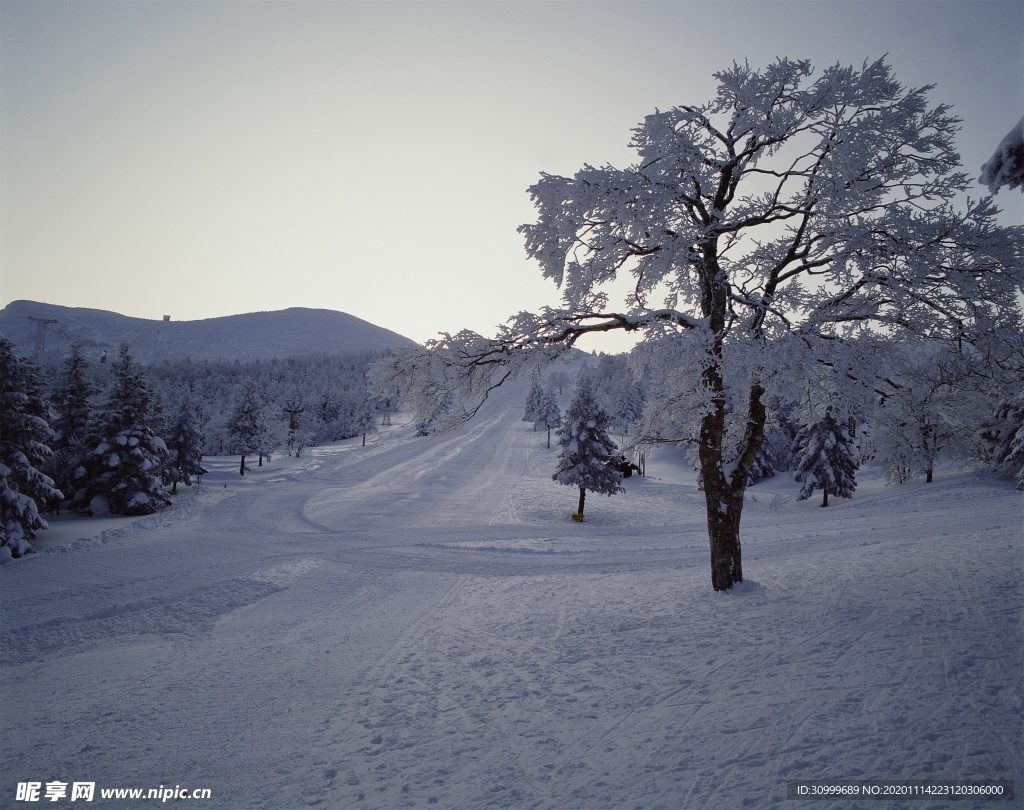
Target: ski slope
column 418, row 623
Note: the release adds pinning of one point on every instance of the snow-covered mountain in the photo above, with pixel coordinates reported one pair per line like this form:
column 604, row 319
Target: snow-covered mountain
column 257, row 335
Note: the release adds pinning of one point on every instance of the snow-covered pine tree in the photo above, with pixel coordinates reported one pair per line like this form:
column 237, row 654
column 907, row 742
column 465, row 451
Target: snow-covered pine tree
column 125, row 464
column 534, row 402
column 184, row 445
column 763, row 466
column 24, row 434
column 549, row 415
column 72, row 398
column 1007, row 438
column 629, row 405
column 587, row 448
column 247, row 425
column 825, row 460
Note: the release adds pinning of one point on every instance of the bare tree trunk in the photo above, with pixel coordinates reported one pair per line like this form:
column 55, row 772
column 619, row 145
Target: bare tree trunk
column 583, row 497
column 241, row 469
column 723, row 494
column 824, row 497
column 724, row 534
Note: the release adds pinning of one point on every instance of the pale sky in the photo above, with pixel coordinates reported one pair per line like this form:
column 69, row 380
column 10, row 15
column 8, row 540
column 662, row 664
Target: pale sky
column 199, row 159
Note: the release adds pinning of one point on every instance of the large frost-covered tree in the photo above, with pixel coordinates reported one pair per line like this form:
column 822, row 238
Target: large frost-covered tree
column 587, row 449
column 790, row 210
column 24, row 435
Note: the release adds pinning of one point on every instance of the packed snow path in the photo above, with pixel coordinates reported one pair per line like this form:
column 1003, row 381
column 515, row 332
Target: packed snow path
column 418, row 623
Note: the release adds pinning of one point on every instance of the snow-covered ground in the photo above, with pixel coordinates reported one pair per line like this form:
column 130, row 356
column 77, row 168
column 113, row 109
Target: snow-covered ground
column 419, row 623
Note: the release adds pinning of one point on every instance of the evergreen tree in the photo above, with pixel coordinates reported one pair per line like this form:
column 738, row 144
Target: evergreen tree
column 763, row 466
column 629, row 405
column 548, row 414
column 534, row 401
column 24, row 433
column 825, row 460
column 587, row 449
column 247, row 425
column 125, row 464
column 73, row 398
column 1006, row 436
column 185, row 445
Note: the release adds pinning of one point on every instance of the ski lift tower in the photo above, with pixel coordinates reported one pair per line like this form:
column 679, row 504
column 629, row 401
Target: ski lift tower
column 41, row 324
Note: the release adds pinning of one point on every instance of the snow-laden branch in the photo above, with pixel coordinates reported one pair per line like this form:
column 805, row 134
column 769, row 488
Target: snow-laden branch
column 1006, row 166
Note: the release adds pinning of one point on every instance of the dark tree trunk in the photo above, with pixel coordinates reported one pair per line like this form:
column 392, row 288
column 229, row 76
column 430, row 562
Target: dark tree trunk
column 723, row 511
column 824, row 497
column 723, row 494
column 261, row 459
column 364, row 440
column 549, row 438
column 583, row 497
column 241, row 468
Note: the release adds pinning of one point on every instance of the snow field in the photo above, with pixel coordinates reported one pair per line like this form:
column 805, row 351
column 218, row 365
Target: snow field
column 419, row 623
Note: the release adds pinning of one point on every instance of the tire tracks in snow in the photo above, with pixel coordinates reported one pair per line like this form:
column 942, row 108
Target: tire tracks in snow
column 178, row 615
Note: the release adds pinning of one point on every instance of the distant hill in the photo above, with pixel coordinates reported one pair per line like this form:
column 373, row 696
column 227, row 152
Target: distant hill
column 255, row 336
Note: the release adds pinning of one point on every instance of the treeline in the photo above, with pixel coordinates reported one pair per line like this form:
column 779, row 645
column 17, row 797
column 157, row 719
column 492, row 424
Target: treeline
column 906, row 410
column 121, row 436
column 326, row 393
